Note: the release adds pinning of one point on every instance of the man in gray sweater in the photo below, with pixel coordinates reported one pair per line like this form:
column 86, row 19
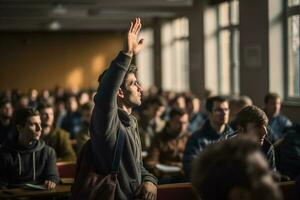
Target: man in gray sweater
column 118, row 93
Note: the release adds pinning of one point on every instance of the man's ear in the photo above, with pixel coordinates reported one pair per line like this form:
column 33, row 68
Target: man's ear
column 120, row 93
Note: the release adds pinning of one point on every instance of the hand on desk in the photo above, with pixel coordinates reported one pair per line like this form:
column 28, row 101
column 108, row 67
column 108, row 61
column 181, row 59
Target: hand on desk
column 50, row 184
column 147, row 191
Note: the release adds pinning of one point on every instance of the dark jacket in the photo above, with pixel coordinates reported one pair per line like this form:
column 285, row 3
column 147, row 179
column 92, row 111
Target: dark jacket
column 197, row 143
column 288, row 153
column 20, row 165
column 278, row 125
column 105, row 122
column 71, row 123
column 267, row 149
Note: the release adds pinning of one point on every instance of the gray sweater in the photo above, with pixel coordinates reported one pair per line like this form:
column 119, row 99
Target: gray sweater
column 105, row 123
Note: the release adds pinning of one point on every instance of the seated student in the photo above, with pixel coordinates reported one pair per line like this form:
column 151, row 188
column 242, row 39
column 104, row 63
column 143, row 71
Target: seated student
column 151, row 121
column 252, row 121
column 84, row 134
column 71, row 121
column 278, row 123
column 288, row 153
column 234, row 169
column 168, row 147
column 6, row 127
column 196, row 117
column 26, row 159
column 214, row 127
column 56, row 138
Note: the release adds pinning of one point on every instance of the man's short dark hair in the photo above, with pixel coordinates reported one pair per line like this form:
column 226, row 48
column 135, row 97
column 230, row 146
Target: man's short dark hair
column 223, row 166
column 43, row 106
column 271, row 96
column 131, row 70
column 210, row 102
column 176, row 112
column 251, row 114
column 21, row 116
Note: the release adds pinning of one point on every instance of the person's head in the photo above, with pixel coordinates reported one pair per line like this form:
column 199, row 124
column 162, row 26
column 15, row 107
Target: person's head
column 72, row 103
column 47, row 114
column 156, row 106
column 178, row 102
column 23, row 101
column 272, row 104
column 193, row 104
column 218, row 110
column 130, row 91
column 33, row 94
column 28, row 124
column 253, row 121
column 86, row 112
column 6, row 110
column 84, row 97
column 237, row 104
column 178, row 121
column 234, row 169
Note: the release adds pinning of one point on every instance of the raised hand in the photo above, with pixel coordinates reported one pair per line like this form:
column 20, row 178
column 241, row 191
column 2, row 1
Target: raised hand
column 132, row 45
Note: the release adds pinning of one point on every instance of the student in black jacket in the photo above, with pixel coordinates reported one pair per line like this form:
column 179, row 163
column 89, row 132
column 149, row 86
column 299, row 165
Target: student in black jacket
column 26, row 159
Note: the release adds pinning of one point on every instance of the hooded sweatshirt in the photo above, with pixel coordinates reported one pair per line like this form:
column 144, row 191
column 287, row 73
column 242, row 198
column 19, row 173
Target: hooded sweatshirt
column 105, row 123
column 33, row 164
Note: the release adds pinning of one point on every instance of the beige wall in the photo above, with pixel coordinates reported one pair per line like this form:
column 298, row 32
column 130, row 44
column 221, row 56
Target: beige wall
column 43, row 60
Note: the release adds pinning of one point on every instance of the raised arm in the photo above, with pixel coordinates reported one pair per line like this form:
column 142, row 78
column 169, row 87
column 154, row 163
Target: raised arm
column 105, row 121
column 112, row 79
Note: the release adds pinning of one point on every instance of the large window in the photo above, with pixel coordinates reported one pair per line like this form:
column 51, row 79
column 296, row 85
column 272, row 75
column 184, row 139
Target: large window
column 175, row 55
column 145, row 59
column 222, row 48
column 293, row 39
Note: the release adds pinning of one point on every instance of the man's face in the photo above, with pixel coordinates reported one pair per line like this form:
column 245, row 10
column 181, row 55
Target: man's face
column 6, row 111
column 220, row 113
column 273, row 107
column 194, row 106
column 31, row 130
column 179, row 124
column 132, row 92
column 86, row 116
column 263, row 185
column 72, row 104
column 258, row 132
column 47, row 117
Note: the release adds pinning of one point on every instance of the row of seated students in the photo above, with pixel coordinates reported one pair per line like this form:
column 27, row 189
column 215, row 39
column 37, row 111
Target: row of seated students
column 174, row 128
column 176, row 145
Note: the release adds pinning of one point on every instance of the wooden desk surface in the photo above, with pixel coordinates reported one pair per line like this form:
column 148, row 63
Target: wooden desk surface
column 21, row 192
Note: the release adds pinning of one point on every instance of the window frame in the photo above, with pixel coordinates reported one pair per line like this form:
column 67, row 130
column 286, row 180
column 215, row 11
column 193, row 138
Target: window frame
column 289, row 12
column 233, row 29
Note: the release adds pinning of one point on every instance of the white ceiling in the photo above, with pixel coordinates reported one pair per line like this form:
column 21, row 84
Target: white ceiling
column 84, row 15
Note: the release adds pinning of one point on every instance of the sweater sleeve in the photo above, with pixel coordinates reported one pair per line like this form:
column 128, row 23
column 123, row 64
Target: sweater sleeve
column 51, row 172
column 104, row 121
column 147, row 176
